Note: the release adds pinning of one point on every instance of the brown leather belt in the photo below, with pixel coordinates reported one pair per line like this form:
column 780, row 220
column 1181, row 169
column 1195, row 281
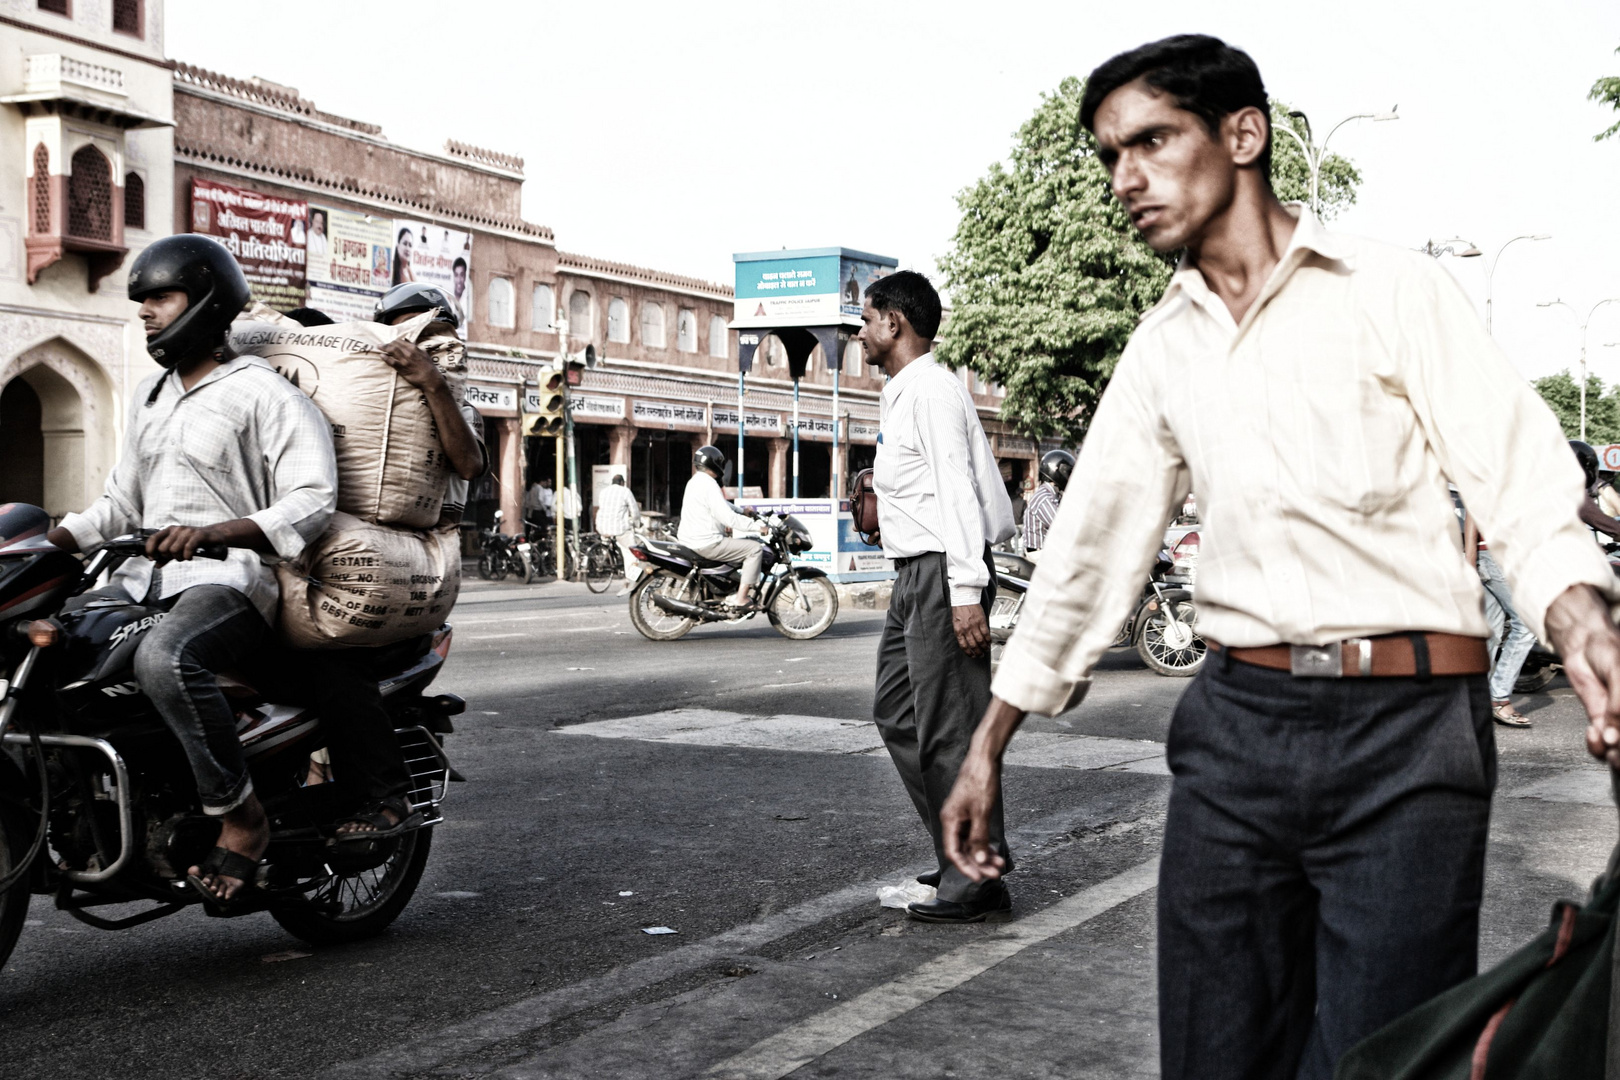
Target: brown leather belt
column 1388, row 656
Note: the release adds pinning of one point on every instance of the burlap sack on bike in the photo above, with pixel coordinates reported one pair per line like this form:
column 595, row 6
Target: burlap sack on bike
column 363, row 584
column 391, row 467
column 1541, row 1014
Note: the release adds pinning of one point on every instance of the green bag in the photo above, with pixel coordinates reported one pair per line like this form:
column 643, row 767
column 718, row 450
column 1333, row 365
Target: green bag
column 1541, row 1014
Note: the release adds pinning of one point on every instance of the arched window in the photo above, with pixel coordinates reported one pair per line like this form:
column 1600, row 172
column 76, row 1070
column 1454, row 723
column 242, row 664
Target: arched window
column 543, row 308
column 500, row 301
column 686, row 330
column 580, row 323
column 719, row 337
column 852, row 358
column 90, row 195
column 652, row 325
column 134, row 201
column 618, row 320
column 42, row 190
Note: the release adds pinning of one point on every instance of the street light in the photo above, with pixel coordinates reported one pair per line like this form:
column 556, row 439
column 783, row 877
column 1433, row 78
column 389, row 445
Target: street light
column 1315, row 155
column 1438, row 248
column 1490, row 273
column 1584, row 324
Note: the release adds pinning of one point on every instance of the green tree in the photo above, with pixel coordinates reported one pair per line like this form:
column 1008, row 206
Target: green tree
column 1562, row 393
column 1607, row 92
column 1046, row 276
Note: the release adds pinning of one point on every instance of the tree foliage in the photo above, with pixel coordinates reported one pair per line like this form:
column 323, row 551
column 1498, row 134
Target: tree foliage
column 1562, row 393
column 1606, row 91
column 1047, row 277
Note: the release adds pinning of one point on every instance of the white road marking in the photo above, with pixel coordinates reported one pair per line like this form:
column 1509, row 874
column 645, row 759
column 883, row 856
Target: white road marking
column 797, row 1046
column 830, row 735
column 489, row 637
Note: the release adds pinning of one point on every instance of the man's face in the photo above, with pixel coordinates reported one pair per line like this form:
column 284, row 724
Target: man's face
column 162, row 308
column 879, row 332
column 459, row 276
column 1169, row 172
column 317, row 225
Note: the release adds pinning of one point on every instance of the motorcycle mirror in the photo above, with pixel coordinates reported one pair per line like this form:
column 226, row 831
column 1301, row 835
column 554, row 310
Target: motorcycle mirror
column 500, row 515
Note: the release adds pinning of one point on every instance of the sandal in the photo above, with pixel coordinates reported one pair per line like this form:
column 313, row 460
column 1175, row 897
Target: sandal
column 223, row 862
column 381, row 827
column 1505, row 714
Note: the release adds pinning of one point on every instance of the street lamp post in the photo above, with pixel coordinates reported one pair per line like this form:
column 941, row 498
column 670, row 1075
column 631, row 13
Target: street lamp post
column 1582, row 331
column 1315, row 155
column 1490, row 273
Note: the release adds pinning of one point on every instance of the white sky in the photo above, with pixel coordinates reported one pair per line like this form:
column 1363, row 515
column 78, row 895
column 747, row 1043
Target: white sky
column 673, row 134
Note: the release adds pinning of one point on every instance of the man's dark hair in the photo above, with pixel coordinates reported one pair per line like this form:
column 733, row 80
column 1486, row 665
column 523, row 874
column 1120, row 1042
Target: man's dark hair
column 459, row 262
column 1202, row 74
column 305, row 316
column 911, row 294
column 617, row 479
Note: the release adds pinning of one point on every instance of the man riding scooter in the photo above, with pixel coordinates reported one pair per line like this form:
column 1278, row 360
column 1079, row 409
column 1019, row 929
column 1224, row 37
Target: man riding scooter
column 219, row 450
column 706, row 521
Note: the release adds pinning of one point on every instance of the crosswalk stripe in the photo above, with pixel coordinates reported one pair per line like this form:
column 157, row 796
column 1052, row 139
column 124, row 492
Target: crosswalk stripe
column 832, row 735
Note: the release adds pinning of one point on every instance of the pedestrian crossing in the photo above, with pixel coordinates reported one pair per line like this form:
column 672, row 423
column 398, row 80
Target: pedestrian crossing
column 833, row 735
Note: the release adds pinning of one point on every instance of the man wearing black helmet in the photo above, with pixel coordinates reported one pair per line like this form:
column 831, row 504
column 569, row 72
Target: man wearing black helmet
column 1592, row 514
column 1056, row 465
column 219, row 449
column 707, row 520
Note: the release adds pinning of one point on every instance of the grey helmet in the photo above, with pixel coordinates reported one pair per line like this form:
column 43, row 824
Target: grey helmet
column 413, row 297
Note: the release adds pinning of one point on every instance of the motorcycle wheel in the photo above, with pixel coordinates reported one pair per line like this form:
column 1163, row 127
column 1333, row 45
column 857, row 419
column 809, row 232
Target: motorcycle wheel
column 650, row 620
column 522, row 567
column 1163, row 650
column 353, row 907
column 1534, row 679
column 486, row 565
column 14, row 901
column 598, row 568
column 805, row 612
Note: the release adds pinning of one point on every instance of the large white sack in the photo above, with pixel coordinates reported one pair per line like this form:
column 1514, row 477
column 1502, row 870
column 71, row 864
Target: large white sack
column 392, row 468
column 364, row 584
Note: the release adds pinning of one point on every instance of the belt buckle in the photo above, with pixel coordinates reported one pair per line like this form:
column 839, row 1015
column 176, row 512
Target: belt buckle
column 1316, row 661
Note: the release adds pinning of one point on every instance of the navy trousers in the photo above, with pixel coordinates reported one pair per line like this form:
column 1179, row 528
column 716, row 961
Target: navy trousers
column 1324, row 857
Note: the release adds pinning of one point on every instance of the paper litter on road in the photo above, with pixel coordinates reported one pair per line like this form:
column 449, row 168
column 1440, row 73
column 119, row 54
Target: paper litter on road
column 627, row 892
column 912, row 892
column 278, row 957
column 657, row 930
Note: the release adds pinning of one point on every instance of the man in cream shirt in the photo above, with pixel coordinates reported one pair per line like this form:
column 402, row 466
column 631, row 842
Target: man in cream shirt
column 1324, row 849
column 941, row 504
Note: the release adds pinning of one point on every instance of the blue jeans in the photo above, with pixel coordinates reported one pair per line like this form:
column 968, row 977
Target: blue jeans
column 1508, row 632
column 208, row 628
column 1324, row 857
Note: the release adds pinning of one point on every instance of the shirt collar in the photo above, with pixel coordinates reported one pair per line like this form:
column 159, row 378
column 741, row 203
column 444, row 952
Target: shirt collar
column 908, row 373
column 1310, row 237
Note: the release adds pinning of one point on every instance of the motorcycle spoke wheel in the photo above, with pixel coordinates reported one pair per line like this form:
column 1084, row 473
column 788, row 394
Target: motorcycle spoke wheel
column 1172, row 650
column 486, row 566
column 804, row 608
column 652, row 621
column 14, row 901
column 598, row 569
column 356, row 905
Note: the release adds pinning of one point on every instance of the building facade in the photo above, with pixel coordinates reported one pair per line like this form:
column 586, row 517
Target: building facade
column 86, row 177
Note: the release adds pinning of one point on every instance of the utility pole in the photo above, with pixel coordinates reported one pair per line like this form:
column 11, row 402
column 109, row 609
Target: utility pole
column 1582, row 331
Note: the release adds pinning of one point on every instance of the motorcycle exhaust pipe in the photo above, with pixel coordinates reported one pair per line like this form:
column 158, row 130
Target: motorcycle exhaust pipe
column 685, row 610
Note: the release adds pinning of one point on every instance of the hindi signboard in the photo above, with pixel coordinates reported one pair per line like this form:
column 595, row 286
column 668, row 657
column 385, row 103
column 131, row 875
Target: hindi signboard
column 807, row 287
column 438, row 256
column 351, row 262
column 264, row 232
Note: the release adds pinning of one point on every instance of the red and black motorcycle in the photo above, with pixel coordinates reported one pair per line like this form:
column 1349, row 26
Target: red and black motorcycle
column 98, row 807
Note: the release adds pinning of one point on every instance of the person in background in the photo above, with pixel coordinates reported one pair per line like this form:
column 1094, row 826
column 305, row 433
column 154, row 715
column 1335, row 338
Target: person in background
column 1511, row 640
column 1608, row 498
column 1592, row 515
column 539, row 501
column 707, row 520
column 1056, row 467
column 617, row 517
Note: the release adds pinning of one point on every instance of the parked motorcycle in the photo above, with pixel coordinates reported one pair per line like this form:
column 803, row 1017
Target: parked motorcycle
column 1162, row 626
column 98, row 806
column 501, row 554
column 683, row 588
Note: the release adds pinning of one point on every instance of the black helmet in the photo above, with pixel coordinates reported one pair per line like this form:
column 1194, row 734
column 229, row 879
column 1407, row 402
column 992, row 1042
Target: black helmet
column 1056, row 468
column 1588, row 459
column 710, row 459
column 412, row 297
column 215, row 289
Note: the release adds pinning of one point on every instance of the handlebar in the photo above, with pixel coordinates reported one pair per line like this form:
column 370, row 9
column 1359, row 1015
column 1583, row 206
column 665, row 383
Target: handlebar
column 135, row 544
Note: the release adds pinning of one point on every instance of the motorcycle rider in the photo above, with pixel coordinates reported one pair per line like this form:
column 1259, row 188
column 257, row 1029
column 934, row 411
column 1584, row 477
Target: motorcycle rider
column 1056, row 466
column 706, row 518
column 1592, row 514
column 220, row 449
column 617, row 515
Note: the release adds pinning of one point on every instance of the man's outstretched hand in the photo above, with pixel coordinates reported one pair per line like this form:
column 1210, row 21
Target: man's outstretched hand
column 965, row 817
column 1579, row 627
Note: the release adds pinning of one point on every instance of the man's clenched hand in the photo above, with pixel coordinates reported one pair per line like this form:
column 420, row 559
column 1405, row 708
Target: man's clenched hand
column 1579, row 626
column 972, row 628
column 965, row 818
column 407, row 358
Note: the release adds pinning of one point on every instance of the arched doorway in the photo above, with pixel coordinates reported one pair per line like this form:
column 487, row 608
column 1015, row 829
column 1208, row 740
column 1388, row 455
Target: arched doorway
column 22, row 445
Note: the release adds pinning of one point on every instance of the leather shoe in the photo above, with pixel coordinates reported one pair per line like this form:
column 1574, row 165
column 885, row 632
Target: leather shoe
column 993, row 905
column 930, row 879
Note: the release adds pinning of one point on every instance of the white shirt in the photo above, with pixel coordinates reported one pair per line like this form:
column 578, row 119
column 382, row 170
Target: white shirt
column 937, row 482
column 616, row 510
column 705, row 514
column 539, row 498
column 243, row 443
column 1320, row 434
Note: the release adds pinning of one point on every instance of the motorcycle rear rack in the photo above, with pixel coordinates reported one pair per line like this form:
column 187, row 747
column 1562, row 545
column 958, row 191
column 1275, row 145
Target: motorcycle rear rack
column 429, row 768
column 119, row 795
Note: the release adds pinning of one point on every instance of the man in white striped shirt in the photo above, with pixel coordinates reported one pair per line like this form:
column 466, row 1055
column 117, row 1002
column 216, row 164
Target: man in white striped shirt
column 617, row 515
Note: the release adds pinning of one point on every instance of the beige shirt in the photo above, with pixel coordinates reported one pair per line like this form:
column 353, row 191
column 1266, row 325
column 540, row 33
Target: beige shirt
column 1319, row 433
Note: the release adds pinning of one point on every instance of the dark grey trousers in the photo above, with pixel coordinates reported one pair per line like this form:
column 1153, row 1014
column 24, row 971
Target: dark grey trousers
column 930, row 697
column 1324, row 857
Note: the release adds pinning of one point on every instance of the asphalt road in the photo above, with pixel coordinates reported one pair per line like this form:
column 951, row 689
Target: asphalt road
column 727, row 787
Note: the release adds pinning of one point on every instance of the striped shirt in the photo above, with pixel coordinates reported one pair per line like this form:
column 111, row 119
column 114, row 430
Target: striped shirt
column 243, row 443
column 616, row 511
column 1038, row 515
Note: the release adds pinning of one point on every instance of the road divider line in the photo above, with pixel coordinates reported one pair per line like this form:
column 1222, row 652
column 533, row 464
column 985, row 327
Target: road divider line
column 411, row 1057
column 795, row 1047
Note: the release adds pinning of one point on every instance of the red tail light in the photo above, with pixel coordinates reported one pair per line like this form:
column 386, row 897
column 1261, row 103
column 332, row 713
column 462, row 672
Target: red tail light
column 441, row 642
column 1186, row 550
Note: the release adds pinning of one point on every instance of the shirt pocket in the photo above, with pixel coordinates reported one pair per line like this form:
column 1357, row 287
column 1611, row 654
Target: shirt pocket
column 214, row 440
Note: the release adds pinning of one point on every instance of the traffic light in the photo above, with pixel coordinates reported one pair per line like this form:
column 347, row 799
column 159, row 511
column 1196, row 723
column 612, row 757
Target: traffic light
column 548, row 418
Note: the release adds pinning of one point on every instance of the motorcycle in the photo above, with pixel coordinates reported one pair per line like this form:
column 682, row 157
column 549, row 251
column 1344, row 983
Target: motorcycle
column 1162, row 626
column 98, row 806
column 501, row 554
column 682, row 588
column 1543, row 664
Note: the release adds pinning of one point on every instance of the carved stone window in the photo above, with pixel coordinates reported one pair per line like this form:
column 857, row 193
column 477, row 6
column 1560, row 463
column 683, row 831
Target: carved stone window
column 42, row 190
column 90, row 196
column 134, row 201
